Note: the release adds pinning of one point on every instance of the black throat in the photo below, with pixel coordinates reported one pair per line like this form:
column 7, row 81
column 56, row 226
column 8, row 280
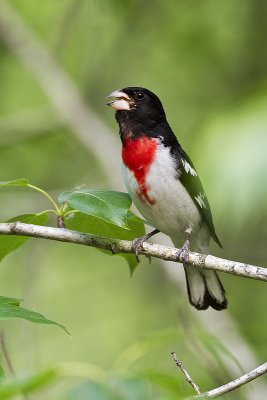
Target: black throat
column 133, row 127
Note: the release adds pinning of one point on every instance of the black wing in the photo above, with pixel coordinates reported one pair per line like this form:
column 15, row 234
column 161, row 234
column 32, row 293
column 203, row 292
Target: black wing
column 189, row 178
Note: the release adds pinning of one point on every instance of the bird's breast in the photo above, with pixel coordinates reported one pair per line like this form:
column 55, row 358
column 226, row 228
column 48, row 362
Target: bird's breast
column 138, row 155
column 152, row 179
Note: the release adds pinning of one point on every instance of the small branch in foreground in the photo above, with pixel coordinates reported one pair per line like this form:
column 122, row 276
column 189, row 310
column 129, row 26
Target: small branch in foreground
column 186, row 374
column 228, row 387
column 200, row 261
column 8, row 360
column 236, row 383
column 5, row 353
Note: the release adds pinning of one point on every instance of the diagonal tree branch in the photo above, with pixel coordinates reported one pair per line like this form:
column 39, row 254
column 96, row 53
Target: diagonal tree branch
column 124, row 246
column 236, row 383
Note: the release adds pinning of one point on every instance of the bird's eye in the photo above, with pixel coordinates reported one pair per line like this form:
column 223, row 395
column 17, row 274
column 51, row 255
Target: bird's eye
column 140, row 95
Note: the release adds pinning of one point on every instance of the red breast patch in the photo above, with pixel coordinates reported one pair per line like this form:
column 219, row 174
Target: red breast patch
column 138, row 155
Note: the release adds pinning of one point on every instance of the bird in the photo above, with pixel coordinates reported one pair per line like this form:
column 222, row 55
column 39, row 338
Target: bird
column 166, row 189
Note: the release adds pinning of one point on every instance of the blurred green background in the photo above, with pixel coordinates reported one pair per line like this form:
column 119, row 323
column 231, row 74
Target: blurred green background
column 207, row 61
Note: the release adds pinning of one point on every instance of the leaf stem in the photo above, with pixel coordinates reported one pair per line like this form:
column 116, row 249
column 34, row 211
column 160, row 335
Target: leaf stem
column 47, row 211
column 71, row 212
column 58, row 211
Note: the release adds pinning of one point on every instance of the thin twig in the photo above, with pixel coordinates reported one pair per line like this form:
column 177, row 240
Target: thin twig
column 186, row 374
column 5, row 353
column 8, row 360
column 236, row 383
column 200, row 261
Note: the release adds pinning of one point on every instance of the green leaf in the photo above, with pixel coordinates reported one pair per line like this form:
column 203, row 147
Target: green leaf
column 88, row 224
column 41, row 379
column 10, row 300
column 9, row 243
column 17, row 386
column 107, row 205
column 17, row 182
column 10, row 308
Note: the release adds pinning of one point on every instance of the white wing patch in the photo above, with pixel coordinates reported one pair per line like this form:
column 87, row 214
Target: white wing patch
column 188, row 168
column 200, row 198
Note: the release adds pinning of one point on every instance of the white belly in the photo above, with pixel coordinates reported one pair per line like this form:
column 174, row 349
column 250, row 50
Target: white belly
column 173, row 210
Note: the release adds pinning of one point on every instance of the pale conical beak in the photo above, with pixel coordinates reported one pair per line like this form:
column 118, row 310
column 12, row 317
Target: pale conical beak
column 120, row 100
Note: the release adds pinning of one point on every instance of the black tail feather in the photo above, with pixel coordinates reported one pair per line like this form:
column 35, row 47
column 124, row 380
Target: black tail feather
column 206, row 296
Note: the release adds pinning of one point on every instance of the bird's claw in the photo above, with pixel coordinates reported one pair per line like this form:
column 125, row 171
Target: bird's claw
column 183, row 252
column 137, row 246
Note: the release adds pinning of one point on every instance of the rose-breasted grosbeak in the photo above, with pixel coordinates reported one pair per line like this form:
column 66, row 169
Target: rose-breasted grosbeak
column 165, row 187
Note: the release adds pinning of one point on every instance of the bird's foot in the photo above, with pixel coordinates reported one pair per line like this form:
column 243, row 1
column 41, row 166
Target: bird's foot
column 137, row 244
column 183, row 252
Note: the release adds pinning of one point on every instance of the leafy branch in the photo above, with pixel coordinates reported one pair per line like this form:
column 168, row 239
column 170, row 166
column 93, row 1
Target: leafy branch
column 200, row 261
column 101, row 219
column 100, row 212
column 106, row 215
